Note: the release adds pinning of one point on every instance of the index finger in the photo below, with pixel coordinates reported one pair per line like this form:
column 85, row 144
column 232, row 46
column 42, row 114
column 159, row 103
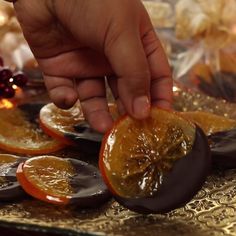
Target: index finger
column 128, row 60
column 161, row 76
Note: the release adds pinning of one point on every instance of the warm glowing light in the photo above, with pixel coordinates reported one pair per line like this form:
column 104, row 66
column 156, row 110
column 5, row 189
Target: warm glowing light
column 18, row 92
column 14, row 86
column 4, row 103
column 175, row 89
column 11, row 80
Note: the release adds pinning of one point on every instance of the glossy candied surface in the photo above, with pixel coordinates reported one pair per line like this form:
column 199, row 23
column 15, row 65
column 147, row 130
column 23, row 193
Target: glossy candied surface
column 70, row 127
column 180, row 184
column 62, row 181
column 209, row 122
column 7, row 159
column 135, row 155
column 20, row 134
column 50, row 174
column 61, row 121
column 63, row 124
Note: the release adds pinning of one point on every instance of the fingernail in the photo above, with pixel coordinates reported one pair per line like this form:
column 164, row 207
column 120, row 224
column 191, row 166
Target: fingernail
column 141, row 107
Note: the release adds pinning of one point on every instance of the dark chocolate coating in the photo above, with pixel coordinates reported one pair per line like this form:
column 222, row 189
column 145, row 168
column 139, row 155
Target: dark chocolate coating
column 227, row 87
column 91, row 191
column 85, row 139
column 13, row 190
column 223, row 148
column 180, row 184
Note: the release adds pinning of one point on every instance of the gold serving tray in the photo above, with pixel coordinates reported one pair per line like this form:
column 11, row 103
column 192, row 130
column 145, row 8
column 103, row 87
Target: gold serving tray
column 211, row 212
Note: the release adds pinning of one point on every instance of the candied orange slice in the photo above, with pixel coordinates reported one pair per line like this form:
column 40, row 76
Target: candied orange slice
column 210, row 123
column 69, row 125
column 20, row 132
column 140, row 152
column 62, row 181
column 143, row 162
column 55, row 121
column 47, row 178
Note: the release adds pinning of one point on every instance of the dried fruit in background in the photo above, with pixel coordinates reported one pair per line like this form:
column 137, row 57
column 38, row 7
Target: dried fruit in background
column 209, row 122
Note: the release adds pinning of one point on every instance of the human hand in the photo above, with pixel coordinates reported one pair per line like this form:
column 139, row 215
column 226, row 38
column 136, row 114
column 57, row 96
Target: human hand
column 78, row 42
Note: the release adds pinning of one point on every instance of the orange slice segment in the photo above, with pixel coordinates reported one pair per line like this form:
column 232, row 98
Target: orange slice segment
column 20, row 132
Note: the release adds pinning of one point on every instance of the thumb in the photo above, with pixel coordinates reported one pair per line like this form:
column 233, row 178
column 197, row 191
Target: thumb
column 128, row 60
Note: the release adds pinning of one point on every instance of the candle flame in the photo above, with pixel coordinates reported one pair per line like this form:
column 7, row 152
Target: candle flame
column 5, row 103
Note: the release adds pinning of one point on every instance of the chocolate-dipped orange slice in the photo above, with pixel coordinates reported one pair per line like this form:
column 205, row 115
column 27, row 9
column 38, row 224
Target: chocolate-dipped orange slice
column 154, row 165
column 62, row 181
column 69, row 126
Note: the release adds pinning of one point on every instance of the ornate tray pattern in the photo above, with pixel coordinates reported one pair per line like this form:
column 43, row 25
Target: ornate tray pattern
column 211, row 212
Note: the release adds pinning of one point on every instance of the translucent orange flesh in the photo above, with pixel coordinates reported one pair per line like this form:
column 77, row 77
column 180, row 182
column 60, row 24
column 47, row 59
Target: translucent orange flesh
column 56, row 122
column 50, row 175
column 7, row 159
column 137, row 154
column 208, row 122
column 19, row 135
column 59, row 120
